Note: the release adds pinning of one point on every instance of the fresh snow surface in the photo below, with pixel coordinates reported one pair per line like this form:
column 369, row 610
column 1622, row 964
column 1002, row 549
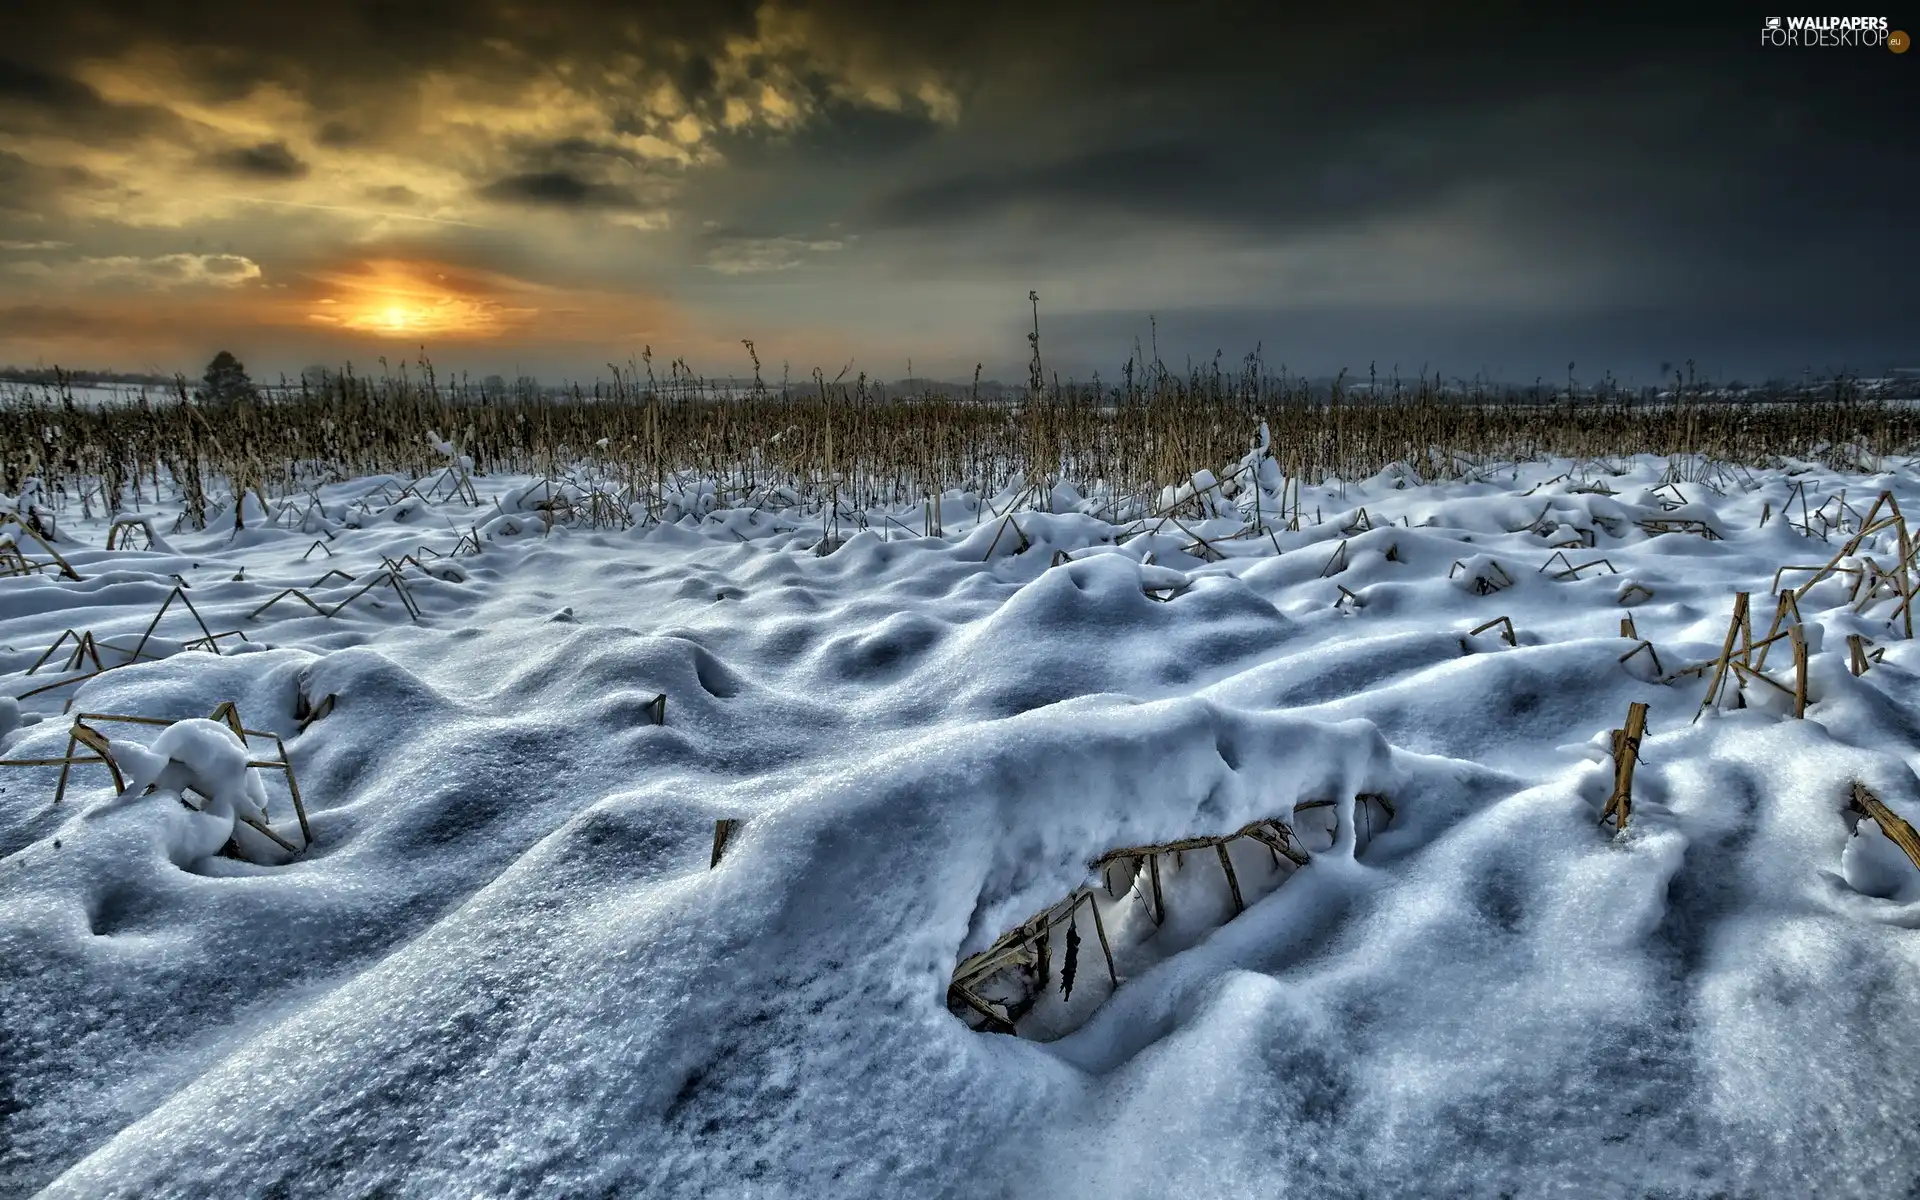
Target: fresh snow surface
column 503, row 968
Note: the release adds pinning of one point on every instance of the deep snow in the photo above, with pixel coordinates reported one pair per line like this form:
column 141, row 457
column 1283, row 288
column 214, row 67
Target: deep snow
column 504, row 968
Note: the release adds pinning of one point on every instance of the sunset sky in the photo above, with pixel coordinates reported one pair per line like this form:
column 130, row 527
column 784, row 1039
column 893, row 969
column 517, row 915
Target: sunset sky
column 547, row 187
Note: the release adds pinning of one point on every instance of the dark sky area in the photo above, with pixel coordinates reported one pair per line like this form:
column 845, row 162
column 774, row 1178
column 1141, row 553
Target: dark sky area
column 548, row 187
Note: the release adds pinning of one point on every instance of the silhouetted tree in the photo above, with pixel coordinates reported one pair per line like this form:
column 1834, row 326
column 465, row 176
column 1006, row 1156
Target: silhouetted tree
column 226, row 379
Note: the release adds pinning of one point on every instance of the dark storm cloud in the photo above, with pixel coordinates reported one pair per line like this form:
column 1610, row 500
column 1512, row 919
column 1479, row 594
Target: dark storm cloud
column 1196, row 181
column 338, row 135
column 21, row 82
column 1731, row 180
column 1128, row 176
column 325, row 48
column 1754, row 195
column 397, row 195
column 24, row 184
column 1339, row 127
column 581, row 156
column 1770, row 336
column 37, row 98
column 560, row 189
column 266, row 161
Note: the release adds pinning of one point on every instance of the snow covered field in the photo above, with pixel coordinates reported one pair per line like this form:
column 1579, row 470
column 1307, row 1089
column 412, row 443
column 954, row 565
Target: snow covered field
column 504, row 968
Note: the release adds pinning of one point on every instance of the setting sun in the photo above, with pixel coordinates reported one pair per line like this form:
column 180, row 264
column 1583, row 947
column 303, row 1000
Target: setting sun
column 413, row 300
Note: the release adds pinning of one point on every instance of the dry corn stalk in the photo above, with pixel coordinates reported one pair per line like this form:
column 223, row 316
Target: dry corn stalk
column 722, row 831
column 16, row 562
column 1027, row 946
column 1570, row 571
column 87, row 647
column 1626, row 754
column 119, row 533
column 1901, row 578
column 208, row 639
column 1740, row 665
column 1655, row 526
column 1506, row 631
column 1858, row 656
column 1644, row 645
column 1494, row 579
column 1337, row 562
column 386, row 575
column 1898, row 831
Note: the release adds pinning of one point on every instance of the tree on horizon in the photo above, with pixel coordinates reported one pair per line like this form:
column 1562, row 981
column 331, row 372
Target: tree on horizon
column 225, row 379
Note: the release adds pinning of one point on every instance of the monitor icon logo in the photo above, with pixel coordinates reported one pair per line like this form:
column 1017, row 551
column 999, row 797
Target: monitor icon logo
column 1773, row 23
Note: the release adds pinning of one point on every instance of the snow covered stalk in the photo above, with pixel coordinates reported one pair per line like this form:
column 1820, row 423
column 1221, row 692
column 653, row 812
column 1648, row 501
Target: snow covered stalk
column 209, row 757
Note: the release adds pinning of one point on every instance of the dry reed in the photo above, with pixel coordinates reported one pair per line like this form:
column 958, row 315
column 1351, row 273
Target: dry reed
column 869, row 446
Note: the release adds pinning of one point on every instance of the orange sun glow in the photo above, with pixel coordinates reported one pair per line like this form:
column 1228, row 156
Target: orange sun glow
column 411, row 300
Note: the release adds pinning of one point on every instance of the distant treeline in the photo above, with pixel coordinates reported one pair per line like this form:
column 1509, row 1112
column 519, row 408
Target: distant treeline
column 55, row 376
column 1902, row 384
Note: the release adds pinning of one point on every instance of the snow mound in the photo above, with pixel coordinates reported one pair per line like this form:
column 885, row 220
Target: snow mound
column 204, row 762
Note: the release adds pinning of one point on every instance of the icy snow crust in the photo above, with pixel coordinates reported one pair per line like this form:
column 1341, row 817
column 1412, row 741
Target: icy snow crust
column 504, row 969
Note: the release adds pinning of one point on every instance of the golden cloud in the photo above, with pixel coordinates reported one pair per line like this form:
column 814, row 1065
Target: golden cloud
column 160, row 272
column 612, row 118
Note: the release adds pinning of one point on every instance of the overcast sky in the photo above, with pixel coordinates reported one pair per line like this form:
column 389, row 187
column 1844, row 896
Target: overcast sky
column 548, row 187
